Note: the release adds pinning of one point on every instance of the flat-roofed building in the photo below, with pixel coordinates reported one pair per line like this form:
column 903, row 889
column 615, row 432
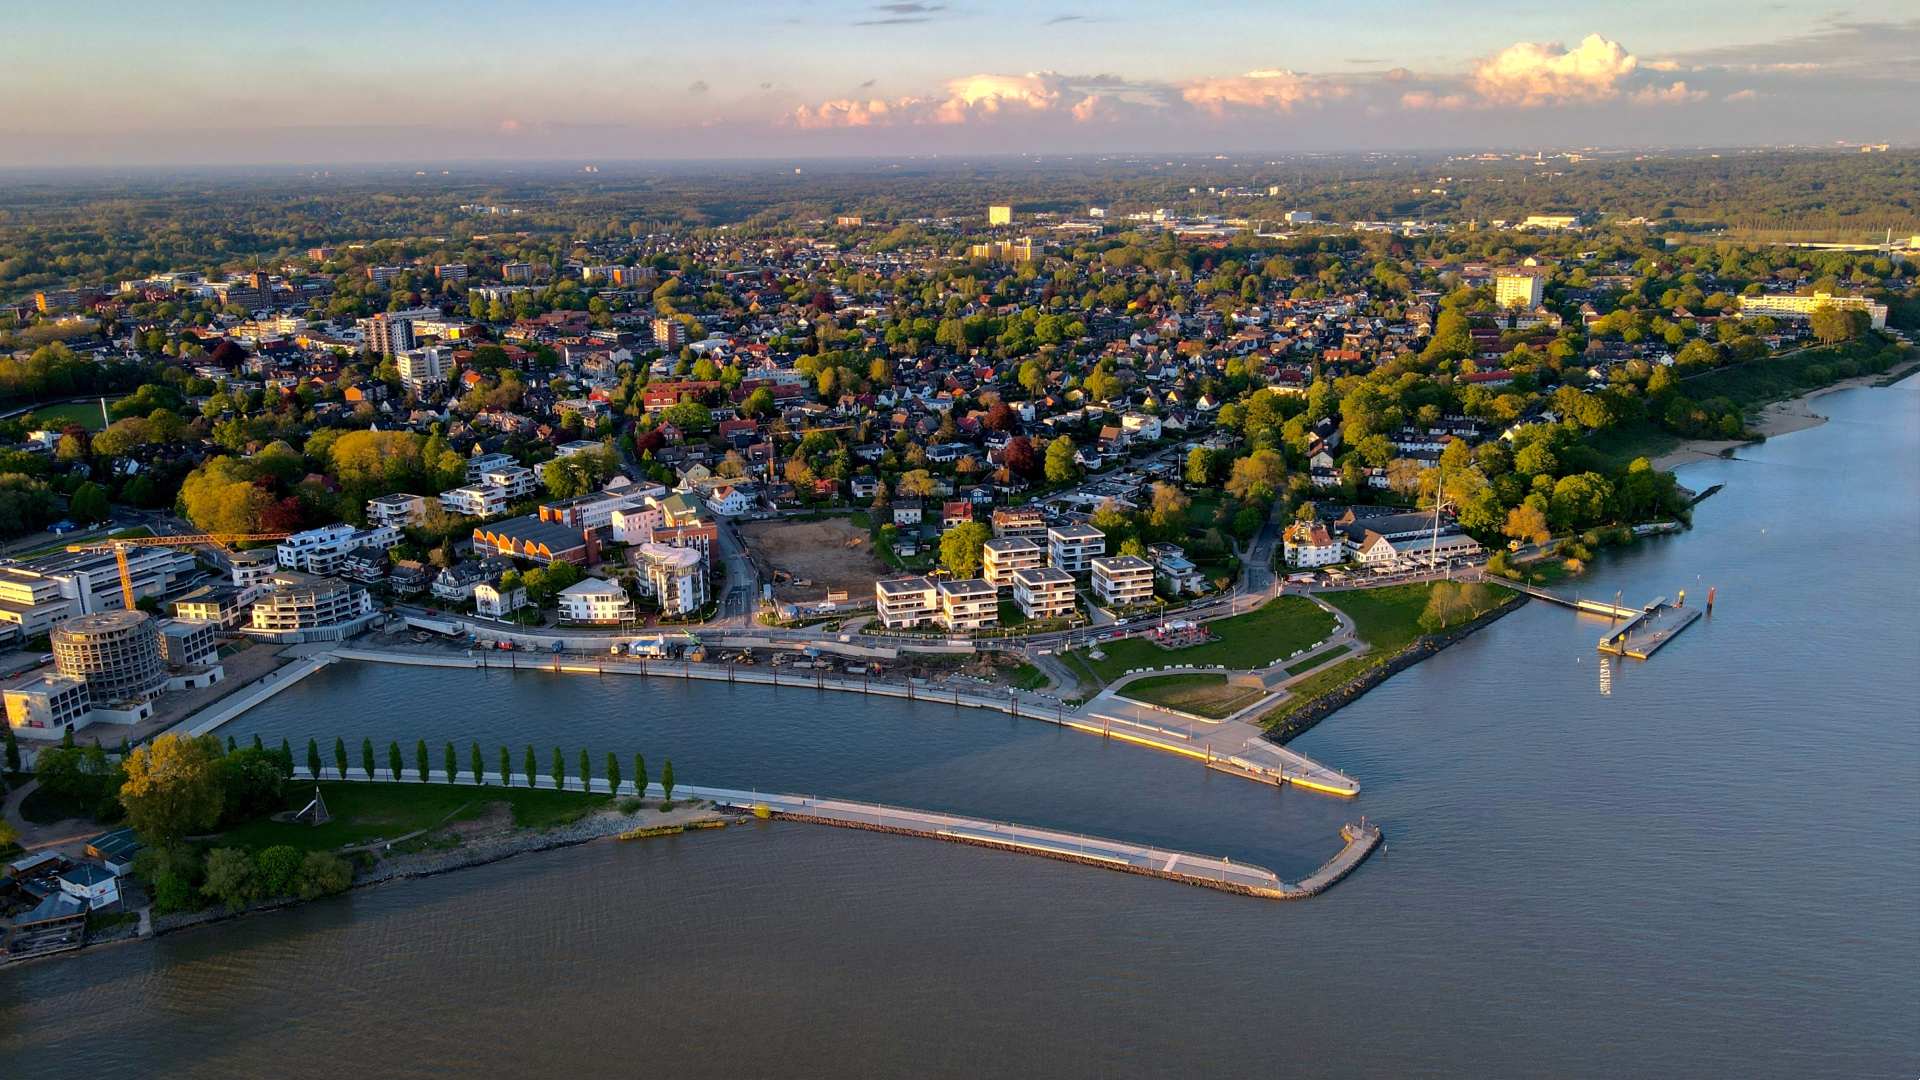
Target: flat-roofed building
column 299, row 603
column 968, row 603
column 527, row 537
column 321, row 551
column 904, row 602
column 398, row 510
column 1801, row 308
column 48, row 706
column 517, row 481
column 1043, row 592
column 676, row 576
column 116, row 652
column 1518, row 290
column 480, row 464
column 1073, row 547
column 1003, row 555
column 474, row 500
column 216, row 605
column 187, row 644
column 1122, row 580
column 1021, row 521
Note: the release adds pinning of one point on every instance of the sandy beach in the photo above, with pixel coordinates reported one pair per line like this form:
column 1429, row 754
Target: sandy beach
column 1779, row 418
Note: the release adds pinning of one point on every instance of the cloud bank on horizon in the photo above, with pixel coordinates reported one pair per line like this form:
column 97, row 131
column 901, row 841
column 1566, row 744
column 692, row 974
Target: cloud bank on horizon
column 911, row 83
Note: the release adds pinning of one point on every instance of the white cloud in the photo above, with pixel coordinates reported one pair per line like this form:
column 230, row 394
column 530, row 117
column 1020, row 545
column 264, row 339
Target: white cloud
column 1743, row 95
column 1428, row 99
column 976, row 95
column 1677, row 94
column 1269, row 89
column 853, row 113
column 1529, row 73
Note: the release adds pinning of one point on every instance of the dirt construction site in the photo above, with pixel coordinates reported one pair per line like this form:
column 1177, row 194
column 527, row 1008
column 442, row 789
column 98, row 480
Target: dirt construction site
column 809, row 559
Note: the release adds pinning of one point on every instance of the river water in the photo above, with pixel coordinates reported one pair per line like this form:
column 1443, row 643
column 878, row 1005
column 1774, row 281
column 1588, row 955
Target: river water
column 1703, row 865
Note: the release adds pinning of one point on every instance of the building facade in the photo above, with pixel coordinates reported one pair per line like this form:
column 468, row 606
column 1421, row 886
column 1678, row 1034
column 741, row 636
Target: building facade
column 1122, row 580
column 1043, row 592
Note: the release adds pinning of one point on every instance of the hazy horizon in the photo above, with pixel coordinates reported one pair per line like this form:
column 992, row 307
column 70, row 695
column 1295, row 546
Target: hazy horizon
column 365, row 84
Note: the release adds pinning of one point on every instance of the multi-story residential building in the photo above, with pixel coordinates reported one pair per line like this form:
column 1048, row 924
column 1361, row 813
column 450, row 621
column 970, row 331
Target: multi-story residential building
column 48, row 706
column 1310, row 543
column 479, row 465
column 669, row 333
column 1122, row 580
column 967, row 603
column 516, row 273
column 421, row 369
column 1171, row 565
column 516, row 481
column 299, row 603
column 215, row 605
column 905, row 602
column 596, row 601
column 491, row 601
column 1518, row 290
column 999, row 215
column 1002, row 556
column 451, row 272
column 253, row 569
column 386, row 334
column 398, row 510
column 676, row 576
column 320, row 551
column 382, row 275
column 1043, row 592
column 1801, row 308
column 1073, row 547
column 474, row 500
column 596, row 510
column 1024, row 521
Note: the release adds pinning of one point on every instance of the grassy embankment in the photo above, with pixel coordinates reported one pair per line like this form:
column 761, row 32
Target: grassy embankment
column 84, row 413
column 1387, row 619
column 365, row 813
column 1200, row 693
column 1253, row 640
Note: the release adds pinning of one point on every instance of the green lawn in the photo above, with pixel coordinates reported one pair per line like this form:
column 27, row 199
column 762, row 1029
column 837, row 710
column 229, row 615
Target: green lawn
column 1253, row 640
column 1028, row 677
column 1317, row 659
column 84, row 413
column 363, row 813
column 1309, row 689
column 1389, row 618
column 1200, row 693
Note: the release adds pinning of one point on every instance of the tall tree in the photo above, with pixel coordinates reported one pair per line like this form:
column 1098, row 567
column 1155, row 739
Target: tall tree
column 613, row 773
column 559, row 770
column 339, row 758
column 666, row 782
column 366, row 756
column 173, row 788
column 393, row 760
column 313, row 758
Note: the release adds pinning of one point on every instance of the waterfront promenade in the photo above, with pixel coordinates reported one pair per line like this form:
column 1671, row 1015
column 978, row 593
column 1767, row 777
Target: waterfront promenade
column 1238, row 747
column 1211, row 871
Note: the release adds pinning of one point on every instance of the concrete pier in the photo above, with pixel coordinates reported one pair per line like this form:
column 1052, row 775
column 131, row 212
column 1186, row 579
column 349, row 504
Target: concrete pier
column 1644, row 636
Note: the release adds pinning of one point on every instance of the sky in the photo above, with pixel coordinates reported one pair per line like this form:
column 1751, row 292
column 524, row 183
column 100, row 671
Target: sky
column 349, row 81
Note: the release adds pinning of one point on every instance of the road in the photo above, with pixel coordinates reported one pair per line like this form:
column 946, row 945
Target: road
column 739, row 596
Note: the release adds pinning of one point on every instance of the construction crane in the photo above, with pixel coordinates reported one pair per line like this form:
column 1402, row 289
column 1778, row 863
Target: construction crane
column 121, row 547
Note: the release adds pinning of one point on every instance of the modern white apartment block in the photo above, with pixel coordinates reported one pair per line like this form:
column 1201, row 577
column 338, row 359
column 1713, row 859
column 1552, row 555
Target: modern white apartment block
column 298, row 603
column 905, row 602
column 676, row 576
column 1043, row 592
column 1021, row 521
column 480, row 464
column 320, row 551
column 1791, row 306
column 968, row 603
column 1073, row 547
column 1002, row 556
column 594, row 600
column 1122, row 580
column 517, row 481
column 474, row 500
column 398, row 510
column 1518, row 290
column 421, row 369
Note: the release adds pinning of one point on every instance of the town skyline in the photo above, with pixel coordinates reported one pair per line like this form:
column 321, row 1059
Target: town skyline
column 872, row 80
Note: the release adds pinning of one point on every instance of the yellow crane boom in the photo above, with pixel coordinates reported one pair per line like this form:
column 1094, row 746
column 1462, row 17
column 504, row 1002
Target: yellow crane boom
column 120, row 548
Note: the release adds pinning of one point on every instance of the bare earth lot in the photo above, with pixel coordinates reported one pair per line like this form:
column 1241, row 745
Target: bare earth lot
column 831, row 554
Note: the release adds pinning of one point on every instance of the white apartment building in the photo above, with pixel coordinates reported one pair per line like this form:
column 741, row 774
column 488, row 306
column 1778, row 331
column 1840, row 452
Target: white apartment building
column 517, row 481
column 300, row 603
column 1122, row 580
column 1518, row 290
column 1002, row 556
column 676, row 576
column 968, row 603
column 593, row 600
column 320, row 551
column 1043, row 592
column 904, row 602
column 253, row 569
column 398, row 510
column 1801, row 308
column 479, row 465
column 1021, row 521
column 474, row 500
column 1073, row 547
column 490, row 601
column 421, row 369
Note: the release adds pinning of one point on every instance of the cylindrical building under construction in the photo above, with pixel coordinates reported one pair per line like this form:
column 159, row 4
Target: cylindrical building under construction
column 116, row 652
